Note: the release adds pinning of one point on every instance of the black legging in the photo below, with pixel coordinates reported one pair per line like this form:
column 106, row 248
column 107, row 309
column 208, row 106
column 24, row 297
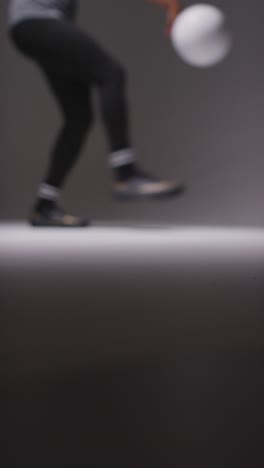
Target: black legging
column 73, row 63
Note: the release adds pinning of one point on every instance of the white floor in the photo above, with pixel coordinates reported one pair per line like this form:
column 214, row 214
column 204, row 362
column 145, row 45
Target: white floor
column 159, row 243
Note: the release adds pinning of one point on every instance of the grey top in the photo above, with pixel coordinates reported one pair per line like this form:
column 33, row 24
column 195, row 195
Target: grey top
column 19, row 10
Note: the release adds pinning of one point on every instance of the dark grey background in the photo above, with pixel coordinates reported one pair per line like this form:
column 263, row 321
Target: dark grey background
column 205, row 127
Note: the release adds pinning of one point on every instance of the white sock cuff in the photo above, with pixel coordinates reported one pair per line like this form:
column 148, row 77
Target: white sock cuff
column 48, row 192
column 122, row 157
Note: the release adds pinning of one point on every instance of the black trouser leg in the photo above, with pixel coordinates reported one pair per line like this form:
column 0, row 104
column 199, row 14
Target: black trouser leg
column 73, row 64
column 114, row 110
column 75, row 102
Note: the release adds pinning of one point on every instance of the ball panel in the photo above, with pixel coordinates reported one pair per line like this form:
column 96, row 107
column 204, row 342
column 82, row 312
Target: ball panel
column 200, row 37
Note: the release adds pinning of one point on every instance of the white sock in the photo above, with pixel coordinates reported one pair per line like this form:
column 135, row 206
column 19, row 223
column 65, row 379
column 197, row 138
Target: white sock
column 122, row 157
column 48, row 192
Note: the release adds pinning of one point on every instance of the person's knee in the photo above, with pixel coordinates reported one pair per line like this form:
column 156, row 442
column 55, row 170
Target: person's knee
column 118, row 76
column 80, row 122
column 85, row 120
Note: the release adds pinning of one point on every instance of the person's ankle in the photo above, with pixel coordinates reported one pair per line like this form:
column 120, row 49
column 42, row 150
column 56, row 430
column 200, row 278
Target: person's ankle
column 125, row 172
column 43, row 204
column 47, row 197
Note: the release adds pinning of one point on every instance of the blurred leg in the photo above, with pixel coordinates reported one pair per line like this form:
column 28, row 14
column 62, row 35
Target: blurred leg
column 75, row 103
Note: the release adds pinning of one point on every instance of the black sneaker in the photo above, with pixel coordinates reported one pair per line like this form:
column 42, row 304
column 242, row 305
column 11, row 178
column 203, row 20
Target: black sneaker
column 56, row 217
column 142, row 185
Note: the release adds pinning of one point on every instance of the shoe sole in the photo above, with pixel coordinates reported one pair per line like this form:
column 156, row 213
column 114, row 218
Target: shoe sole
column 178, row 191
column 54, row 225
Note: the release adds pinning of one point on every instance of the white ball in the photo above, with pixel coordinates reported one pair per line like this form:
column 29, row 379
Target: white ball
column 200, row 35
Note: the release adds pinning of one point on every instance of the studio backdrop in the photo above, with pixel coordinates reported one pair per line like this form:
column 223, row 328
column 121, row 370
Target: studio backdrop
column 203, row 127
